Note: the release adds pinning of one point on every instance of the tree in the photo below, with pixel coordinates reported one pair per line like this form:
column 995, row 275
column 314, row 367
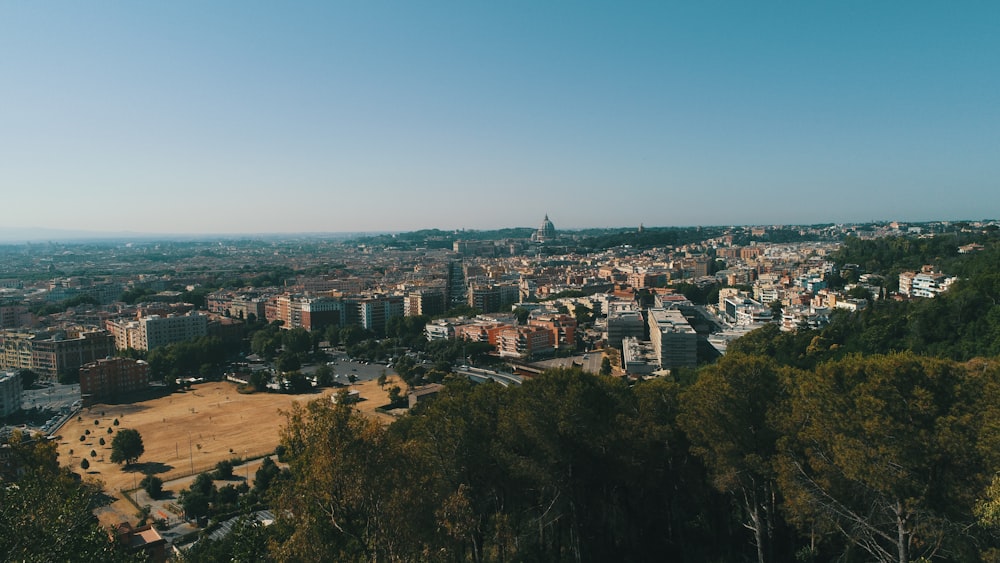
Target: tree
column 606, row 366
column 297, row 383
column 195, row 504
column 394, row 395
column 324, row 376
column 382, row 378
column 127, row 446
column 882, row 450
column 48, row 516
column 296, row 341
column 259, row 381
column 224, row 470
column 28, row 378
column 725, row 414
column 345, row 497
column 287, row 362
column 266, row 474
column 84, row 464
column 153, row 486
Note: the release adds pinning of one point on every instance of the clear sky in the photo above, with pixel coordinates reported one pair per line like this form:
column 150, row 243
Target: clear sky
column 225, row 117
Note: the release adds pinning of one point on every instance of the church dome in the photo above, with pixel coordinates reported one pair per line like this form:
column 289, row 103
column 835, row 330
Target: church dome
column 546, row 231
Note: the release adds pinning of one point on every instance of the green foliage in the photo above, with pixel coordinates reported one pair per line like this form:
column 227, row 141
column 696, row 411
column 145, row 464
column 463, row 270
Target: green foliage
column 395, row 397
column 28, row 378
column 153, row 486
column 266, row 475
column 297, row 383
column 127, row 447
column 726, row 415
column 46, row 514
column 287, row 362
column 882, row 449
column 259, row 380
column 181, row 359
column 223, row 470
column 324, row 376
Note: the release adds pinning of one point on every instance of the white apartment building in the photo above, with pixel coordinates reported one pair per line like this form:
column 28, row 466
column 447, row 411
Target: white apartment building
column 674, row 341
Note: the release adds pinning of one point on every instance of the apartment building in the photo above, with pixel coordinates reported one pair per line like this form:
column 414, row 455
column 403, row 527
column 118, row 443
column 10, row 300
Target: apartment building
column 525, row 342
column 674, row 341
column 108, row 379
column 154, row 331
column 48, row 355
column 10, row 393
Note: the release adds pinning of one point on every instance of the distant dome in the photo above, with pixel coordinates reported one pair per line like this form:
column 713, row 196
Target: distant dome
column 547, row 231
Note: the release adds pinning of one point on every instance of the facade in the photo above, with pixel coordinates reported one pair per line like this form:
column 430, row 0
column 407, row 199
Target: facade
column 428, row 302
column 16, row 351
column 525, row 341
column 15, row 316
column 110, row 378
column 491, row 298
column 624, row 324
column 375, row 312
column 321, row 312
column 10, row 393
column 156, row 331
column 675, row 343
column 49, row 356
column 562, row 327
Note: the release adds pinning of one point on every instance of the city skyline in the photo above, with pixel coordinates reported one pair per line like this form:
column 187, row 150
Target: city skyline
column 229, row 118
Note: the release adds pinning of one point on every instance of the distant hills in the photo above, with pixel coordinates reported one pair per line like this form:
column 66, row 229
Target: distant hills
column 14, row 235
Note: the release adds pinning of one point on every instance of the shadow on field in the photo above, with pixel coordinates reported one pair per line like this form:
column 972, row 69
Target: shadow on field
column 148, row 467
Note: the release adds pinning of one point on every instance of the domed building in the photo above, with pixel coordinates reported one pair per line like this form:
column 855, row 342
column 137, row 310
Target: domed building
column 546, row 231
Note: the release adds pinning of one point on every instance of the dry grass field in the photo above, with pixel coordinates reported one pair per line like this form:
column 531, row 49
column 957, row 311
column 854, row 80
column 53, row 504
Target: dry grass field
column 186, row 433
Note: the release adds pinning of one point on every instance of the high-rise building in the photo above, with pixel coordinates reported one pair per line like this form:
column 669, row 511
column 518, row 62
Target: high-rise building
column 429, row 302
column 675, row 343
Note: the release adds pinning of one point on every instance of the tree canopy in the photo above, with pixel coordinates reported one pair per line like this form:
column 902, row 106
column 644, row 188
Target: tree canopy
column 127, row 447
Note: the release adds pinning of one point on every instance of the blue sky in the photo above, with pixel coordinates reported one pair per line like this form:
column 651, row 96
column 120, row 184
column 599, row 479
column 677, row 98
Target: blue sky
column 235, row 117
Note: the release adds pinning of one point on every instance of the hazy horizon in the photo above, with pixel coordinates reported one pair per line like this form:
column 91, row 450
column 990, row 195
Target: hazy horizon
column 230, row 118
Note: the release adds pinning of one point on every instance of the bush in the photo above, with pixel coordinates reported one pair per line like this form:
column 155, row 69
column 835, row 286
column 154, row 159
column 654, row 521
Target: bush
column 224, row 470
column 153, row 486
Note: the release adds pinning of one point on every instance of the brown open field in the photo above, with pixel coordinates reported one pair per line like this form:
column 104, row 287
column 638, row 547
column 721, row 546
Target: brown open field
column 186, row 433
